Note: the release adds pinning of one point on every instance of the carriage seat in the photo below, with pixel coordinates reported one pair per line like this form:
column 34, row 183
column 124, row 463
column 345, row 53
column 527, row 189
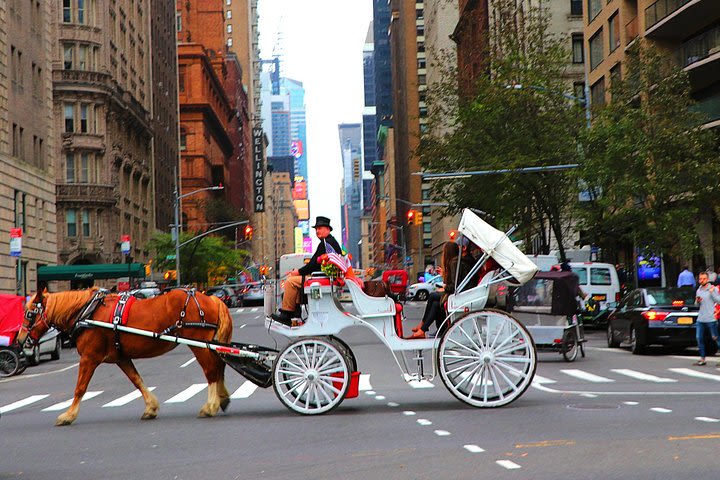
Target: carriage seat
column 367, row 305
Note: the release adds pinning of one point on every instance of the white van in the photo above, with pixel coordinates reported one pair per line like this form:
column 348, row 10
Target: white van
column 544, row 262
column 600, row 280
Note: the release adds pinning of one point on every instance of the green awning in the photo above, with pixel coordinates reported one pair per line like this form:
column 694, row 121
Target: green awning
column 91, row 272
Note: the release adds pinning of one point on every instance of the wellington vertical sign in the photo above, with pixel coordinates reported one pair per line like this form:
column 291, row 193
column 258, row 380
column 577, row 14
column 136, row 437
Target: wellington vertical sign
column 258, row 170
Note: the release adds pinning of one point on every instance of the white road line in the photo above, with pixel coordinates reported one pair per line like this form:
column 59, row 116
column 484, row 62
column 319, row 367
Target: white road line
column 707, row 419
column 660, row 410
column 393, row 404
column 254, row 310
column 245, row 390
column 67, row 403
column 188, row 362
column 364, row 382
column 22, row 403
column 188, row 393
column 417, row 383
column 442, row 433
column 631, row 403
column 242, row 326
column 379, row 397
column 588, row 395
column 473, row 448
column 424, row 422
column 642, row 376
column 257, row 317
column 125, row 399
column 408, row 413
column 694, row 373
column 542, row 380
column 370, row 392
column 508, row 464
column 240, row 310
column 590, row 377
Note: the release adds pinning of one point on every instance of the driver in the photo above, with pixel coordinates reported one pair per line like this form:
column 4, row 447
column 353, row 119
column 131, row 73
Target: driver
column 293, row 284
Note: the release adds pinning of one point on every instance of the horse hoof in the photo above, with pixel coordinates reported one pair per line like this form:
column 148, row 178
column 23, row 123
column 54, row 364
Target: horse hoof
column 61, row 422
column 224, row 404
column 149, row 416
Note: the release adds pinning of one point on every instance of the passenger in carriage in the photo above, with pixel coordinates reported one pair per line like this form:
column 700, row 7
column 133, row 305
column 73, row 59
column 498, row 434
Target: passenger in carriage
column 294, row 282
column 434, row 309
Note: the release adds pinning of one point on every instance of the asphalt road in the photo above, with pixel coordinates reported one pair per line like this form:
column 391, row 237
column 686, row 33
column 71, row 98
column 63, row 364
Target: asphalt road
column 610, row 415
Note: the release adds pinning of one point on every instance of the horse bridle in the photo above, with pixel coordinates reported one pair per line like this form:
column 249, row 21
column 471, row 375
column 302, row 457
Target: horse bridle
column 31, row 317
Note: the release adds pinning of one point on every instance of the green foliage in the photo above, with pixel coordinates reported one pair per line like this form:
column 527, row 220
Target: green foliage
column 198, row 259
column 654, row 168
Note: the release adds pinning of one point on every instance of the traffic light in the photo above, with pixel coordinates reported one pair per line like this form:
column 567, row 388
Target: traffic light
column 411, row 217
column 418, row 218
column 170, row 275
column 453, row 235
column 248, row 232
column 148, row 268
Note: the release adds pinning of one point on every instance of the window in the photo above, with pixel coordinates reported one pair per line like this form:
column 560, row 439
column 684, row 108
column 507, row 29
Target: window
column 83, row 57
column 69, row 118
column 71, row 221
column 596, row 49
column 600, row 276
column 178, row 22
column 420, row 31
column 581, row 272
column 576, row 7
column 16, row 141
column 228, row 2
column 67, row 11
column 229, row 42
column 70, row 168
column 183, row 140
column 19, row 210
column 83, row 118
column 228, row 14
column 229, row 28
column 84, row 168
column 614, row 31
column 597, row 92
column 85, row 219
column 578, row 49
column 68, row 56
column 81, row 11
column 422, row 63
column 579, row 89
column 594, row 7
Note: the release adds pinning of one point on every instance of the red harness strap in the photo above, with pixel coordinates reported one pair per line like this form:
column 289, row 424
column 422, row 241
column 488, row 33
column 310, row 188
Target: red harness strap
column 120, row 313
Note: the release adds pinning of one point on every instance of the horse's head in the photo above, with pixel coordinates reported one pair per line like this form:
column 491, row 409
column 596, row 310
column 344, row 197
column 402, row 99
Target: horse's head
column 35, row 323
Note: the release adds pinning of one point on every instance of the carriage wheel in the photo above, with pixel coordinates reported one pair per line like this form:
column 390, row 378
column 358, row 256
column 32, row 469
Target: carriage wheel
column 570, row 346
column 9, row 362
column 487, row 359
column 312, row 375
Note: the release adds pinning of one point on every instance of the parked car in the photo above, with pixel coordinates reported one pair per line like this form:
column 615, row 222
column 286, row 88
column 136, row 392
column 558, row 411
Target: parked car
column 224, row 293
column 50, row 344
column 655, row 316
column 141, row 293
column 253, row 292
column 420, row 291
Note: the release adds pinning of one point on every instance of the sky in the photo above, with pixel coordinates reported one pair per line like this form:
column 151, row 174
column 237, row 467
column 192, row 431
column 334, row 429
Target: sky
column 322, row 47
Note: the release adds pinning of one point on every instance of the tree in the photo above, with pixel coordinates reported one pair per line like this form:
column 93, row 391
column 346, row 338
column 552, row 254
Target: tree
column 519, row 116
column 654, row 169
column 200, row 259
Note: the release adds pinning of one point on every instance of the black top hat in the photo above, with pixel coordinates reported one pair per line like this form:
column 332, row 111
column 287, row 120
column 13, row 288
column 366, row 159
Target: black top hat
column 322, row 222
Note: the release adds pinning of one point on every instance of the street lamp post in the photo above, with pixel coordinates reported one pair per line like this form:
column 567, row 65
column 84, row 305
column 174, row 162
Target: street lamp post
column 176, row 227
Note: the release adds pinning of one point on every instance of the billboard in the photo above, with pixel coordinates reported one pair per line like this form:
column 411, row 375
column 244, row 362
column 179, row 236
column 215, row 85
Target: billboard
column 302, row 208
column 299, row 191
column 307, row 245
column 296, row 148
column 299, row 248
column 305, row 226
column 258, row 171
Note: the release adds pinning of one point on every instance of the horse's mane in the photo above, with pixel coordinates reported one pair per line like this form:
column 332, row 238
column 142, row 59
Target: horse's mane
column 62, row 307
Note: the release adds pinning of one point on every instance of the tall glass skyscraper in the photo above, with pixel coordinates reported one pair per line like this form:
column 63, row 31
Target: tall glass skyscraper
column 383, row 73
column 352, row 205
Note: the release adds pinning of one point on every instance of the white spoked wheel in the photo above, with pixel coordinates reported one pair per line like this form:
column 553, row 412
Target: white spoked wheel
column 311, row 376
column 487, row 359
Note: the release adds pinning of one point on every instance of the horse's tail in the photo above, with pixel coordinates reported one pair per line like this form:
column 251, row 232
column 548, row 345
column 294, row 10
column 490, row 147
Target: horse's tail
column 224, row 330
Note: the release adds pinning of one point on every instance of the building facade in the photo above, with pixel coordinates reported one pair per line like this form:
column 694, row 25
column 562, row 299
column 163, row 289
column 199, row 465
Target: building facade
column 351, row 192
column 102, row 103
column 27, row 143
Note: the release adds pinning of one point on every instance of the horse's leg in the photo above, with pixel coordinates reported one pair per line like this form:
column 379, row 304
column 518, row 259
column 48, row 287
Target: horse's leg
column 222, row 391
column 151, row 401
column 213, row 368
column 85, row 372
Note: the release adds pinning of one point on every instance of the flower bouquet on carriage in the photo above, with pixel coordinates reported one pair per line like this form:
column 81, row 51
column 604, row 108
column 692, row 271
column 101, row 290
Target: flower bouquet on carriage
column 336, row 266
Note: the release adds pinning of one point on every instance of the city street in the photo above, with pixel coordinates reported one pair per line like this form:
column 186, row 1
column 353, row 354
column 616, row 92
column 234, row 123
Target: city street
column 610, row 415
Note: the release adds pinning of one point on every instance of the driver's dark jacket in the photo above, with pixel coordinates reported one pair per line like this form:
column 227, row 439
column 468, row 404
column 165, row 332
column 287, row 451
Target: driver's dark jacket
column 313, row 265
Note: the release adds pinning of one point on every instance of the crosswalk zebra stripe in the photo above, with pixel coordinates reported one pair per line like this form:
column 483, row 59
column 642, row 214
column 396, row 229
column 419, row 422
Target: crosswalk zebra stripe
column 188, row 362
column 364, row 382
column 590, row 377
column 542, row 380
column 473, row 448
column 67, row 403
column 660, row 410
column 508, row 464
column 188, row 393
column 254, row 310
column 694, row 373
column 22, row 403
column 707, row 419
column 417, row 383
column 642, row 376
column 125, row 399
column 245, row 390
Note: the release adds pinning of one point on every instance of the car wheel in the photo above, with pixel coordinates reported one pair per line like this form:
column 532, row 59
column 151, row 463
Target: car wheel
column 636, row 347
column 611, row 341
column 55, row 354
column 421, row 295
column 34, row 358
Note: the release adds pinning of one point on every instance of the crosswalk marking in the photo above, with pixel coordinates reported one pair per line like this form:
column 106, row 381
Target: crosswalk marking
column 508, row 464
column 661, row 410
column 473, row 448
column 254, row 310
column 590, row 377
column 125, row 399
column 417, row 383
column 707, row 419
column 188, row 393
column 188, row 362
column 67, row 403
column 245, row 390
column 364, row 382
column 642, row 376
column 22, row 403
column 694, row 373
column 542, row 380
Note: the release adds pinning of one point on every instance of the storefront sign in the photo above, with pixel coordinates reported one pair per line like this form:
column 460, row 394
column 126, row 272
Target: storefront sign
column 258, row 171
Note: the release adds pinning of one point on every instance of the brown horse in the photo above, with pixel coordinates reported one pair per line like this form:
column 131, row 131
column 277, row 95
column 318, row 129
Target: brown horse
column 97, row 345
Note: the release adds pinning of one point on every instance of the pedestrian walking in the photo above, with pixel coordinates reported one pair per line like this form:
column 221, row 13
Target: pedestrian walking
column 686, row 278
column 706, row 297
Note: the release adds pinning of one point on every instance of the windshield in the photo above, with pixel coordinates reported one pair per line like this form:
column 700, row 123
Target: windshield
column 670, row 296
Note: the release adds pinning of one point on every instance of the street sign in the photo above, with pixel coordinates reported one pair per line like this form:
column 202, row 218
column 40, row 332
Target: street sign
column 125, row 244
column 15, row 242
column 170, row 257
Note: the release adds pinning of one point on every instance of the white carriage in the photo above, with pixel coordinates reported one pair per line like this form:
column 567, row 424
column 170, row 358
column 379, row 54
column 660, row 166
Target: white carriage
column 485, row 357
